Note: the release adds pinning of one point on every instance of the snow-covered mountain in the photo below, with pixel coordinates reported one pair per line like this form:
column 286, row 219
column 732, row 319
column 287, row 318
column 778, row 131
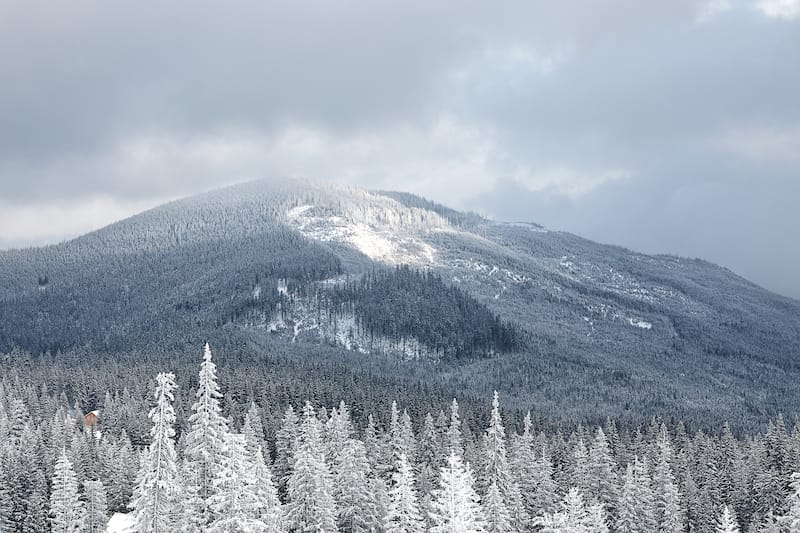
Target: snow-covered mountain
column 542, row 313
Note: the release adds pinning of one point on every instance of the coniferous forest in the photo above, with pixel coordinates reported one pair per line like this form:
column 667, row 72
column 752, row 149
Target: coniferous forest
column 197, row 459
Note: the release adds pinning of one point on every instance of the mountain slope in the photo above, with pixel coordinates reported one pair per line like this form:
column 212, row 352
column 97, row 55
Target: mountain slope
column 567, row 323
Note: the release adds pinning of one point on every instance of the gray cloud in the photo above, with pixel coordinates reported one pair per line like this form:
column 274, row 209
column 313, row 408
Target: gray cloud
column 663, row 126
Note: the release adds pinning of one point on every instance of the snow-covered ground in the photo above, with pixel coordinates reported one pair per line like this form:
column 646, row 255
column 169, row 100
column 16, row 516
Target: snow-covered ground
column 120, row 523
column 376, row 241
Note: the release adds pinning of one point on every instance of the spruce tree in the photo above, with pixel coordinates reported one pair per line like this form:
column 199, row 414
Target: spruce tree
column 157, row 489
column 602, row 479
column 355, row 502
column 453, row 440
column 627, row 520
column 456, row 507
column 498, row 517
column 727, row 521
column 253, row 429
column 285, row 446
column 669, row 514
column 240, row 503
column 205, row 441
column 403, row 515
column 67, row 514
column 96, row 505
column 791, row 520
column 574, row 516
column 311, row 506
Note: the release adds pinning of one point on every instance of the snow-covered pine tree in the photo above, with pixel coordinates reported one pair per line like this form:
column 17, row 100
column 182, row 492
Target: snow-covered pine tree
column 96, row 505
column 67, row 514
column 403, row 515
column 645, row 500
column 495, row 470
column 456, row 507
column 627, row 515
column 429, row 456
column 574, row 516
column 157, row 489
column 494, row 464
column 240, row 502
column 338, row 431
column 669, row 514
column 532, row 473
column 579, row 467
column 271, row 511
column 498, row 518
column 454, row 442
column 285, row 446
column 791, row 520
column 727, row 521
column 355, row 501
column 310, row 507
column 205, row 441
column 23, row 484
column 253, row 429
column 602, row 484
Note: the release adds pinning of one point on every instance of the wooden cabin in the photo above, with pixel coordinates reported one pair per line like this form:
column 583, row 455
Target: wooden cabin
column 91, row 419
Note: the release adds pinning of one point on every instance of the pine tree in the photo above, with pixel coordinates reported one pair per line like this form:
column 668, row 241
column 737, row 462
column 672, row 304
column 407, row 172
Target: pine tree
column 205, row 442
column 157, row 489
column 791, row 520
column 355, row 502
column 645, row 500
column 253, row 429
column 403, row 514
column 66, row 510
column 494, row 464
column 311, row 507
column 242, row 501
column 627, row 509
column 602, row 479
column 669, row 514
column 727, row 521
column 498, row 518
column 96, row 504
column 454, row 442
column 574, row 516
column 456, row 507
column 285, row 446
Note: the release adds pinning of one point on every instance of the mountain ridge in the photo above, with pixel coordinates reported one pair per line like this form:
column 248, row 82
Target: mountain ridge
column 587, row 315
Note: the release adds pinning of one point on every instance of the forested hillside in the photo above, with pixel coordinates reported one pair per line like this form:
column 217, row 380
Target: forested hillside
column 364, row 278
column 204, row 453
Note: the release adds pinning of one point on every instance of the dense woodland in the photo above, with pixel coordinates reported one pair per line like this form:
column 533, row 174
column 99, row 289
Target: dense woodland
column 177, row 457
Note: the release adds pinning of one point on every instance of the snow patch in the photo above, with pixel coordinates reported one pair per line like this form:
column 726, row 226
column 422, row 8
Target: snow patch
column 121, row 523
column 640, row 323
column 378, row 242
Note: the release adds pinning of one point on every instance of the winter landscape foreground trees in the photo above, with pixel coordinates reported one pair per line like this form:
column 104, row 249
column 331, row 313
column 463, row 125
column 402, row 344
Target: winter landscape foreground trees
column 321, row 472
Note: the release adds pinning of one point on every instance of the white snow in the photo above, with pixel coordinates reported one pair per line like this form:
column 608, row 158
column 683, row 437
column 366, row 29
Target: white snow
column 283, row 287
column 382, row 243
column 121, row 523
column 640, row 323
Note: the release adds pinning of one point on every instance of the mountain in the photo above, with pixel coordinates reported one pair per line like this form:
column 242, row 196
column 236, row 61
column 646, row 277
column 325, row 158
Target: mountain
column 576, row 329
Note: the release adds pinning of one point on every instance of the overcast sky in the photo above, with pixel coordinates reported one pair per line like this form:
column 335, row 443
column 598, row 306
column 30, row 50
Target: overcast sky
column 664, row 126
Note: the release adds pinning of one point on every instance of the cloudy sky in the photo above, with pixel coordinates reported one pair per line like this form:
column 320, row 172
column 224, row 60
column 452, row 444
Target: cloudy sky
column 665, row 126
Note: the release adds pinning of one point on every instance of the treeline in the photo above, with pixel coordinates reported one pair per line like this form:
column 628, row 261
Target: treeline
column 323, row 470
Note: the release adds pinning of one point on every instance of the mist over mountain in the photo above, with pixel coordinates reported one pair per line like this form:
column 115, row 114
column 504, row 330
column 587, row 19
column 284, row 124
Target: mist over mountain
column 393, row 284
